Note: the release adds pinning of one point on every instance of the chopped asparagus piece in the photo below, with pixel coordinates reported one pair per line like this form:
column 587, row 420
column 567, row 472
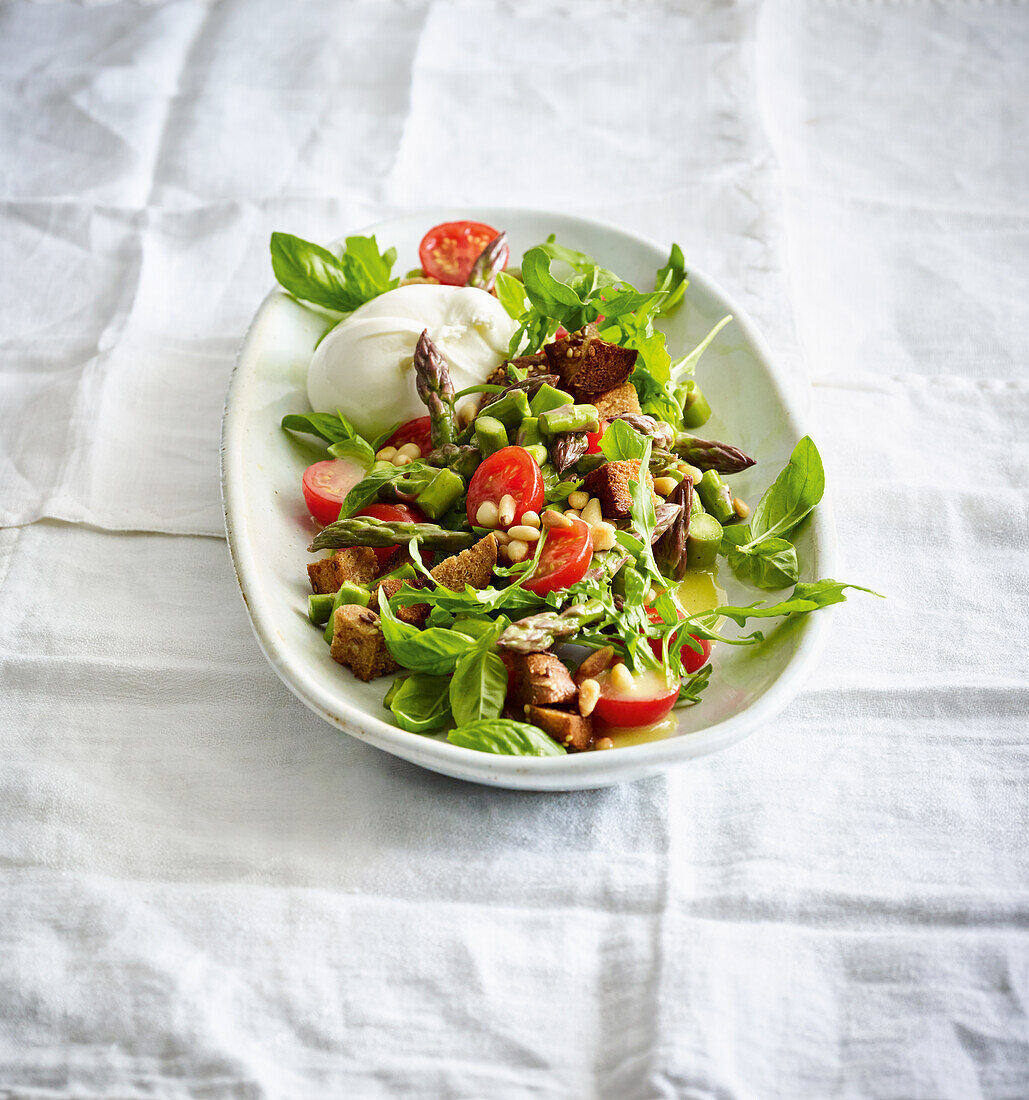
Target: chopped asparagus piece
column 319, row 607
column 440, row 495
column 716, row 496
column 569, row 418
column 348, row 593
column 528, row 432
column 510, row 410
column 490, row 435
column 695, row 409
column 703, row 541
column 547, row 397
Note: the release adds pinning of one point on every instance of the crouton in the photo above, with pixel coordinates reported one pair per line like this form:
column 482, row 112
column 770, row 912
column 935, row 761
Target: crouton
column 610, row 484
column 357, row 642
column 473, row 566
column 532, row 364
column 415, row 613
column 588, row 365
column 621, row 399
column 571, row 730
column 357, row 564
column 541, row 680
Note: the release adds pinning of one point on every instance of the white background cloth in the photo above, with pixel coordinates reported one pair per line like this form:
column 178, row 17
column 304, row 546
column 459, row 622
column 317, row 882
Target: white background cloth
column 204, row 890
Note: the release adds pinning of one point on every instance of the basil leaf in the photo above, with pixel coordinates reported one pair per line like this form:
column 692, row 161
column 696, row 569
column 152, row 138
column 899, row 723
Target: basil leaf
column 505, row 738
column 806, row 597
column 330, row 427
column 422, row 703
column 621, row 442
column 367, row 489
column 314, row 274
column 357, row 450
column 672, row 279
column 511, row 295
column 479, row 686
column 797, row 489
column 433, row 650
column 770, row 563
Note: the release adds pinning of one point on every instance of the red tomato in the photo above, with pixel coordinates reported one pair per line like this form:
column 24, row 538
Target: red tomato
column 448, row 251
column 511, row 470
column 414, row 431
column 650, row 699
column 594, row 438
column 402, row 513
column 691, row 660
column 566, row 556
column 325, row 486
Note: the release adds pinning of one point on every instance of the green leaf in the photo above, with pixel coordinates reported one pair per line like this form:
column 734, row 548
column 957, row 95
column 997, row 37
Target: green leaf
column 422, row 703
column 805, row 598
column 770, row 563
column 505, row 738
column 797, row 489
column 511, row 295
column 673, row 279
column 433, row 650
column 357, row 450
column 683, row 368
column 621, row 442
column 479, row 686
column 551, row 297
column 416, row 476
column 314, row 274
column 330, row 427
column 692, row 689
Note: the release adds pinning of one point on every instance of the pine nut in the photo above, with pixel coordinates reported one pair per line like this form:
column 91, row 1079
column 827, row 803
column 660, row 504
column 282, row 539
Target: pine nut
column 402, row 460
column 550, row 518
column 603, row 535
column 578, row 500
column 589, row 693
column 572, row 513
column 487, row 514
column 740, row 507
column 524, row 532
column 412, row 450
column 665, row 485
column 604, row 743
column 504, row 553
column 592, row 513
column 502, row 537
column 506, row 510
column 621, row 678
column 387, row 454
column 531, row 519
column 691, row 471
column 465, row 415
column 517, row 550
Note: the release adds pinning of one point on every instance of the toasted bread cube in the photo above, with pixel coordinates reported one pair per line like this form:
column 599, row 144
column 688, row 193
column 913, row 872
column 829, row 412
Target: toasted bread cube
column 357, row 564
column 621, row 399
column 588, row 365
column 473, row 566
column 541, row 679
column 610, row 484
column 357, row 642
column 415, row 613
column 571, row 730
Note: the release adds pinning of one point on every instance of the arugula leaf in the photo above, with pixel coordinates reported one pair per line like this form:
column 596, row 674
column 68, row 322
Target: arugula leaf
column 433, row 650
column 552, row 298
column 340, row 283
column 806, row 597
column 554, row 489
column 421, row 703
column 672, row 279
column 479, row 685
column 685, row 367
column 505, row 738
column 692, row 689
column 621, row 442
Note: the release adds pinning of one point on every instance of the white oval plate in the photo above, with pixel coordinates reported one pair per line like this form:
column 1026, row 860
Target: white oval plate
column 268, row 527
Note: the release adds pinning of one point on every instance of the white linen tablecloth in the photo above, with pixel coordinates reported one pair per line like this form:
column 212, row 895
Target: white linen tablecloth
column 206, row 891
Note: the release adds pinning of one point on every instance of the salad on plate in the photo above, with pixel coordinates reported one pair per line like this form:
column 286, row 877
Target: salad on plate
column 518, row 525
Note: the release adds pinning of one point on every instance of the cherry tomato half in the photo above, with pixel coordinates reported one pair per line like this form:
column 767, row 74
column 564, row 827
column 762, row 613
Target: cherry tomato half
column 566, row 556
column 392, row 513
column 648, row 701
column 509, row 471
column 414, row 431
column 326, row 485
column 691, row 660
column 448, row 251
column 593, row 438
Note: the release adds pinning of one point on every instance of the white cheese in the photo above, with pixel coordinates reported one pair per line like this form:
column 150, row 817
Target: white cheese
column 364, row 366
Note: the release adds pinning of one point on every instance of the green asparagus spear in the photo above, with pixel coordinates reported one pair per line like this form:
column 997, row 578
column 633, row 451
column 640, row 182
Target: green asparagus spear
column 716, row 496
column 538, row 633
column 490, row 435
column 489, row 263
column 569, row 418
column 567, row 448
column 709, row 454
column 464, row 461
column 695, row 409
column 432, row 377
column 366, row 531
